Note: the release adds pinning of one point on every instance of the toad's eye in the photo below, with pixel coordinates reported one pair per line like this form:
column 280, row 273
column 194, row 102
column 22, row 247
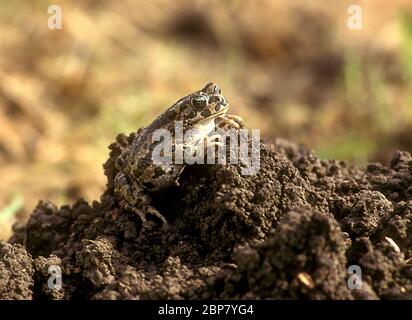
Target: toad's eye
column 199, row 102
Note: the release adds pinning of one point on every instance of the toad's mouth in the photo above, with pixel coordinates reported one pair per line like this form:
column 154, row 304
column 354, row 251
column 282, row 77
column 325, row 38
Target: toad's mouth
column 223, row 111
column 217, row 114
column 204, row 120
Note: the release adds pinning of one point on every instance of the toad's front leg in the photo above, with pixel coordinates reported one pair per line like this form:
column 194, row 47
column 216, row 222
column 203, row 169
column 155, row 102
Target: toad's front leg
column 132, row 197
column 229, row 121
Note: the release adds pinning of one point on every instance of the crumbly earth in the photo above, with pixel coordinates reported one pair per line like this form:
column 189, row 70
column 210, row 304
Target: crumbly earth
column 289, row 232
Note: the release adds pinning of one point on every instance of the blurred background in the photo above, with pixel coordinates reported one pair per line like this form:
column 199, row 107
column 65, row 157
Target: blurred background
column 291, row 68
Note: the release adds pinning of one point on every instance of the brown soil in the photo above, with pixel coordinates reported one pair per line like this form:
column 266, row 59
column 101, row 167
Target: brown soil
column 290, row 232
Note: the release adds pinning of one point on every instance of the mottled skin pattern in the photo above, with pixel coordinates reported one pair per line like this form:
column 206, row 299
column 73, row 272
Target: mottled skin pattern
column 203, row 110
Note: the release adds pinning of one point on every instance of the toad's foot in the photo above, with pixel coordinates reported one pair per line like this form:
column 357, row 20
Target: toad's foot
column 142, row 212
column 134, row 199
column 229, row 121
column 208, row 142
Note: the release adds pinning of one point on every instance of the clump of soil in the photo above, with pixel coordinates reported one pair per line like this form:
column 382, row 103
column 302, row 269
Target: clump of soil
column 289, row 232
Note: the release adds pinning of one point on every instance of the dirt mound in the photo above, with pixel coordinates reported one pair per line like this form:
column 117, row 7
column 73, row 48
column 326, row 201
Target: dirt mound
column 291, row 231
